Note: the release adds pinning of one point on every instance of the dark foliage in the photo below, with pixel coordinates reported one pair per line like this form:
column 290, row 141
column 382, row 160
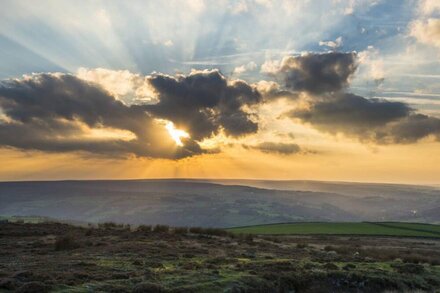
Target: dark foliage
column 66, row 242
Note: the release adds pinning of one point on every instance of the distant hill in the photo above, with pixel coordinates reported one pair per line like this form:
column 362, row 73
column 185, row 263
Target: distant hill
column 219, row 203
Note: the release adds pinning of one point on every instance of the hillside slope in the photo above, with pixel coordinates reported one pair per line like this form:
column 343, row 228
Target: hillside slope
column 191, row 203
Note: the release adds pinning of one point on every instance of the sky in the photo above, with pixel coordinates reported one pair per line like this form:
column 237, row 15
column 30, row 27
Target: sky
column 345, row 90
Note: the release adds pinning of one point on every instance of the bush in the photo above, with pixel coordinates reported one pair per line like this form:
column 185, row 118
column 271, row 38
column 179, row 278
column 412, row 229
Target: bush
column 148, row 287
column 34, row 287
column 409, row 268
column 196, row 230
column 66, row 242
column 329, row 248
column 215, row 232
column 302, row 245
column 110, row 225
column 161, row 229
column 247, row 237
column 180, row 230
column 144, row 228
column 209, row 231
column 330, row 266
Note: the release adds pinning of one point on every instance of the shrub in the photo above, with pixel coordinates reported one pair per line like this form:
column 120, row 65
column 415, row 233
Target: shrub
column 144, row 228
column 248, row 237
column 161, row 229
column 65, row 242
column 196, row 230
column 302, row 245
column 330, row 266
column 409, row 268
column 33, row 287
column 180, row 230
column 329, row 248
column 8, row 283
column 215, row 231
column 110, row 225
column 148, row 287
column 209, row 231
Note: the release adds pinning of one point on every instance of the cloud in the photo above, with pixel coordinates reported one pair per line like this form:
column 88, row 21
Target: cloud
column 318, row 73
column 168, row 43
column 427, row 7
column 371, row 64
column 205, row 102
column 415, row 127
column 244, row 68
column 270, row 67
column 375, row 120
column 332, row 44
column 59, row 112
column 426, row 32
column 124, row 85
column 238, row 7
column 273, row 147
column 329, row 108
column 271, row 90
column 351, row 112
column 121, row 113
column 372, row 120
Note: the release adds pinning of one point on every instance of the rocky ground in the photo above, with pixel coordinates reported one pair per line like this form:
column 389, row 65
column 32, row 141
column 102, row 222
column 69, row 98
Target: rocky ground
column 58, row 257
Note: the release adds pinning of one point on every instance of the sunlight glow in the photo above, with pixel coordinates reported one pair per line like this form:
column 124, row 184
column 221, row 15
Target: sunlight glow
column 176, row 134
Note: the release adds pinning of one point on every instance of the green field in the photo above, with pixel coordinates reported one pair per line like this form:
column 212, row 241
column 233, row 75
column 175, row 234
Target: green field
column 364, row 228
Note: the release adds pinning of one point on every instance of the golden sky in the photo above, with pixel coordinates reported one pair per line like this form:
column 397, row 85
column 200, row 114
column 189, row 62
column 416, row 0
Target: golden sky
column 350, row 161
column 239, row 89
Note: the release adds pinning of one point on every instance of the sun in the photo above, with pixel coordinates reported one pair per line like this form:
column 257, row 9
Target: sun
column 175, row 133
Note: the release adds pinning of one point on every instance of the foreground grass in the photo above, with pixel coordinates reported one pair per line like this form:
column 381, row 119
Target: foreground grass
column 365, row 228
column 54, row 257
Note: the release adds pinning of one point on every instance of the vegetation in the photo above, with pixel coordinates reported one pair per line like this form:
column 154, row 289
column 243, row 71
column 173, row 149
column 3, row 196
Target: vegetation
column 112, row 258
column 66, row 242
column 365, row 228
column 195, row 203
column 161, row 228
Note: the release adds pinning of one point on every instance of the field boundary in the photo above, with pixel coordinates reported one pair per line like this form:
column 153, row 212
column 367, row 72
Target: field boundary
column 405, row 228
column 429, row 234
column 320, row 222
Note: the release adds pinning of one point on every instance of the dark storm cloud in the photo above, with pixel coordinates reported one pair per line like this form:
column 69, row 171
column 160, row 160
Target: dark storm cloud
column 318, row 73
column 415, row 127
column 328, row 107
column 204, row 102
column 377, row 120
column 351, row 112
column 48, row 112
column 273, row 147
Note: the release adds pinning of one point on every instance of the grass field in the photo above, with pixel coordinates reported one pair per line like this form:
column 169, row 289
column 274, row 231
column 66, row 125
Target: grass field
column 57, row 257
column 364, row 228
